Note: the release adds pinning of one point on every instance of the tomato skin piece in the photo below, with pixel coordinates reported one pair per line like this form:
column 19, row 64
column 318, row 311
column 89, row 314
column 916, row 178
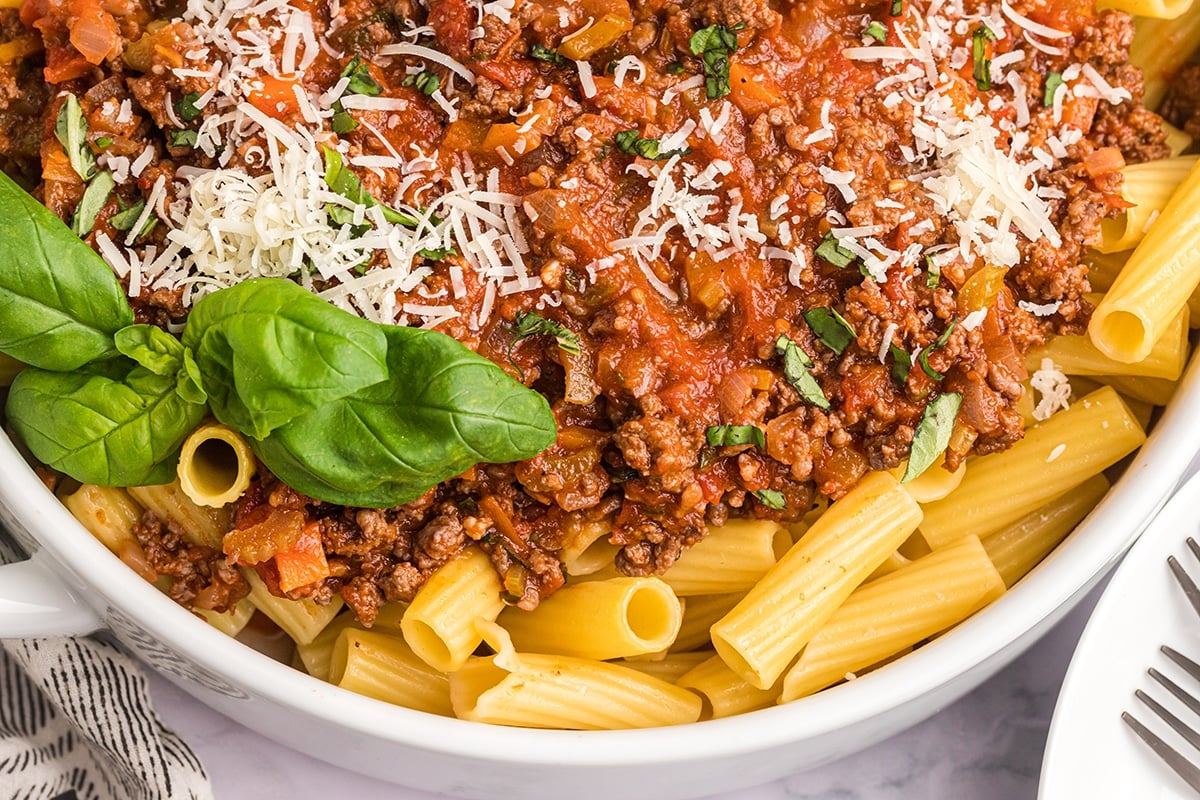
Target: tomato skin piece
column 452, row 21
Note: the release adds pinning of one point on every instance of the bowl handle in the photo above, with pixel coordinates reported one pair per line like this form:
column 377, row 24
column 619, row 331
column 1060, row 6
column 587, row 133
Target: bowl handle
column 35, row 602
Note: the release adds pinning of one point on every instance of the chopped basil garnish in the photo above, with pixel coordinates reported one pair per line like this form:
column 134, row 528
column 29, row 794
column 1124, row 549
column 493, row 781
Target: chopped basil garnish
column 93, row 200
column 674, row 68
column 343, row 181
column 342, row 122
column 633, row 144
column 70, row 127
column 897, row 7
column 831, row 328
column 933, row 272
column 424, row 82
column 542, row 53
column 733, row 435
column 877, row 31
column 923, row 358
column 104, row 141
column 771, row 498
column 184, row 138
column 834, row 253
column 983, row 65
column 530, row 323
column 361, row 81
column 714, row 45
column 125, row 220
column 437, row 254
column 186, row 107
column 933, row 434
column 901, row 364
column 796, row 370
column 1053, row 81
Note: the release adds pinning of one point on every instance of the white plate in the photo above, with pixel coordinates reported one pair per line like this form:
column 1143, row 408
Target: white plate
column 1090, row 752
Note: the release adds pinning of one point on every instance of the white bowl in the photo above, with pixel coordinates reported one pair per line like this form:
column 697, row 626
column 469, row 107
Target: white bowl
column 73, row 585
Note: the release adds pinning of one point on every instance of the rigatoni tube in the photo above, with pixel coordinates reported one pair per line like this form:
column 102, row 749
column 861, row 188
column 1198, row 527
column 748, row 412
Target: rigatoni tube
column 765, row 631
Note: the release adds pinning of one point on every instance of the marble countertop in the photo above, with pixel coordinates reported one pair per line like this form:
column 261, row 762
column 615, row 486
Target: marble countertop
column 986, row 746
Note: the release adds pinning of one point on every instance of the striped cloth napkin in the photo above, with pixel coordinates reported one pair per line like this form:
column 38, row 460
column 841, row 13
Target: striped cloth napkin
column 76, row 723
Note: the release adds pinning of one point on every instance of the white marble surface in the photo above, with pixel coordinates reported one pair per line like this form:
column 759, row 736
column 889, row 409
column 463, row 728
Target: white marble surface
column 987, row 746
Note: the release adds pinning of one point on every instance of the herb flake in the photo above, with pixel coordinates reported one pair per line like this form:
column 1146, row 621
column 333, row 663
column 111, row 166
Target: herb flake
column 549, row 55
column 932, row 434
column 92, row 203
column 1053, row 81
column 923, row 358
column 530, row 323
column 983, row 65
column 772, row 499
column 832, row 251
column 70, row 128
column 714, row 45
column 797, row 368
column 632, row 143
column 831, row 328
column 735, row 435
column 901, row 364
column 186, row 107
column 933, row 272
column 361, row 81
column 877, row 31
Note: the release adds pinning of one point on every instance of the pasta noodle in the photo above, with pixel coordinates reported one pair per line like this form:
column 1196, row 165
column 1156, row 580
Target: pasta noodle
column 895, row 612
column 730, row 559
column 441, row 624
column 1160, row 47
column 385, row 667
column 200, row 524
column 763, row 633
column 1148, row 186
column 215, row 466
column 1054, row 456
column 1153, row 9
column 616, row 618
column 1154, row 285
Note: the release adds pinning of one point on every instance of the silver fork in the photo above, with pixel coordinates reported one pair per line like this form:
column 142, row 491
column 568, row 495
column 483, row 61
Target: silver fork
column 1185, row 768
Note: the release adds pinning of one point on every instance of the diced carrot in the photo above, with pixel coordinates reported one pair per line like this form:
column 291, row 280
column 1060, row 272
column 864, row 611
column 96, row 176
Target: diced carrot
column 64, row 64
column 508, row 135
column 752, row 89
column 305, row 562
column 277, row 98
column 260, row 542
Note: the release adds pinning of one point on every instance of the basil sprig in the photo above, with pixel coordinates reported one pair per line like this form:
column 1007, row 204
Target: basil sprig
column 932, row 434
column 344, row 410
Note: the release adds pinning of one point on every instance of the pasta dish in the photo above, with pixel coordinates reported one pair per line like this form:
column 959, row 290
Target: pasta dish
column 591, row 364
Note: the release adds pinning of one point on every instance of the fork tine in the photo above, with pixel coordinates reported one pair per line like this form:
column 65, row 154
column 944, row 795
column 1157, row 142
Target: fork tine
column 1178, row 725
column 1193, row 546
column 1189, row 666
column 1185, row 580
column 1170, row 756
column 1174, row 688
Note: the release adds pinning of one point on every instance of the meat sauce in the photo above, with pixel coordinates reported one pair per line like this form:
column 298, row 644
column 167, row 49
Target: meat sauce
column 673, row 263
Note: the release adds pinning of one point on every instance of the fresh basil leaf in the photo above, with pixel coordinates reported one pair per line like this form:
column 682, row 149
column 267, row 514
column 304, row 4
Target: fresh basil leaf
column 92, row 203
column 444, row 410
column 186, row 107
column 1053, row 81
column 361, row 81
column 901, row 364
column 436, row 254
column 125, row 220
column 714, row 45
column 923, row 357
column 188, row 383
column 71, row 128
column 833, row 252
column 771, row 498
column 342, row 121
column 933, row 272
column 60, row 303
column 982, row 70
column 932, row 434
column 271, row 351
column 101, row 426
column 424, row 82
column 153, row 348
column 543, row 53
column 182, row 138
column 343, row 181
column 530, row 323
column 633, row 144
column 831, row 328
column 796, row 366
column 733, row 435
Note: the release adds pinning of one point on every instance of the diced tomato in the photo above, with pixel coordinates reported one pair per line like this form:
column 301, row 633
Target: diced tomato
column 305, row 562
column 64, row 64
column 511, row 74
column 452, row 21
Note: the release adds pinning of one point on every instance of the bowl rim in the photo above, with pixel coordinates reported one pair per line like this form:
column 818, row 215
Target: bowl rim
column 1081, row 559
